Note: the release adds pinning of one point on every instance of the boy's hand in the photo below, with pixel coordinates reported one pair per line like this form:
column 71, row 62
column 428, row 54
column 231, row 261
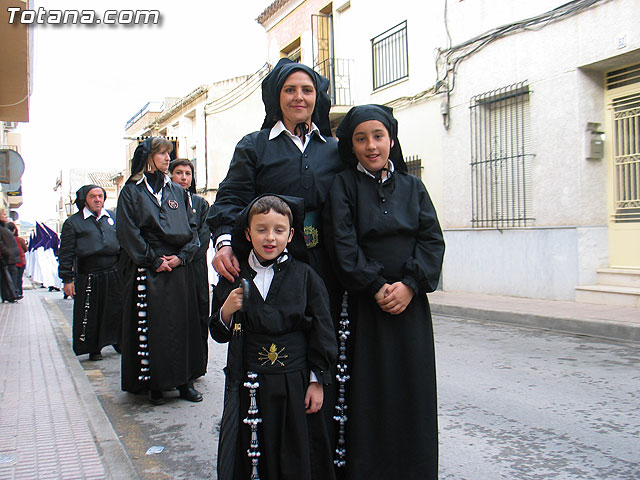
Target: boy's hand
column 231, row 305
column 314, row 397
column 396, row 298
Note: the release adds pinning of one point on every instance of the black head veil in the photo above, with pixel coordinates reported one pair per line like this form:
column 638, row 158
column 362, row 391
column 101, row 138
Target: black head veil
column 364, row 113
column 272, row 85
column 82, row 192
column 139, row 160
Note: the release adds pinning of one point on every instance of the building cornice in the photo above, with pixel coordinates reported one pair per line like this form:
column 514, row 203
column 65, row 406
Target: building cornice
column 270, row 11
column 180, row 104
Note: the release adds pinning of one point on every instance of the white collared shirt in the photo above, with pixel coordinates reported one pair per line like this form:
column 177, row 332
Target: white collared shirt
column 279, row 128
column 360, row 168
column 264, row 275
column 167, row 179
column 86, row 213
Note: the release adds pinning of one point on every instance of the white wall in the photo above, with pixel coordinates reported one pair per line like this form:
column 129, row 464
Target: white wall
column 568, row 240
column 224, row 131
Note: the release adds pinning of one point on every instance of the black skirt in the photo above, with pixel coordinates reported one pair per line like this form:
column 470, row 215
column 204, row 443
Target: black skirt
column 97, row 311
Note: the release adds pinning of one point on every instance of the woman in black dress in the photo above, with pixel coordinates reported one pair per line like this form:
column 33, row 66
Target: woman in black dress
column 294, row 154
column 161, row 344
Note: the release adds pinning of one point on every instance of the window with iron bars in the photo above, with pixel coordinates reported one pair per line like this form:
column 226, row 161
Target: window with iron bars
column 390, row 56
column 500, row 158
column 414, row 165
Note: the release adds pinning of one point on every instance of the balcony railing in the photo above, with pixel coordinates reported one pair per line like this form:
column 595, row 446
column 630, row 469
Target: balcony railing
column 338, row 71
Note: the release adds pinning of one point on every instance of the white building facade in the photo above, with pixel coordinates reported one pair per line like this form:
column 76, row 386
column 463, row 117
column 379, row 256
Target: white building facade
column 524, row 117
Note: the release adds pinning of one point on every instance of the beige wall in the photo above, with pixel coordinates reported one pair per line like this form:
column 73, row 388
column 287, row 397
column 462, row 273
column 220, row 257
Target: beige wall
column 15, row 58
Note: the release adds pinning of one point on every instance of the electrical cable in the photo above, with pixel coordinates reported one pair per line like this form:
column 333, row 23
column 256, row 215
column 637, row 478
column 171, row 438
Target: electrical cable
column 239, row 93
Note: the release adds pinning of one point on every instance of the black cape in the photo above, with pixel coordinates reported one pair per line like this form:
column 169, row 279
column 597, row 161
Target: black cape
column 388, row 234
column 173, row 341
column 88, row 256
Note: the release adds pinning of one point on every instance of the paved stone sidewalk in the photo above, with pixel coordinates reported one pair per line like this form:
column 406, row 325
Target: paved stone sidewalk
column 50, row 421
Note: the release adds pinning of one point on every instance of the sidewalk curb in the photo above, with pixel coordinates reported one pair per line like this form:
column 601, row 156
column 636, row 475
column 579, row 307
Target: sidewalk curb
column 115, row 459
column 575, row 326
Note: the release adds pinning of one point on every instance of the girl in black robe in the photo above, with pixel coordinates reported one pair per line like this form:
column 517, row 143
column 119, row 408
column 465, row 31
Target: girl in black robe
column 87, row 259
column 283, row 333
column 161, row 344
column 388, row 250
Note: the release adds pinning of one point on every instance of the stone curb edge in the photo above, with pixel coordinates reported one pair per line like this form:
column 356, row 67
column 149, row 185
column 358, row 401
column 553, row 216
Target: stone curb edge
column 600, row 329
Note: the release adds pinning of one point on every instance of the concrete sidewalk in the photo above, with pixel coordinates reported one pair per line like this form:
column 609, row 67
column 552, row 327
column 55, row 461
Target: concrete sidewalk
column 604, row 321
column 51, row 423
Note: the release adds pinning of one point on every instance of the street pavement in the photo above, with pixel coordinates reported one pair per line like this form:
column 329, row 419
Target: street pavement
column 528, row 404
column 505, row 409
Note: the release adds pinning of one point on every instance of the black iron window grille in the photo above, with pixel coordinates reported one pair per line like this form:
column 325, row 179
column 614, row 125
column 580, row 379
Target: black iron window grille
column 390, row 56
column 414, row 165
column 338, row 71
column 500, row 158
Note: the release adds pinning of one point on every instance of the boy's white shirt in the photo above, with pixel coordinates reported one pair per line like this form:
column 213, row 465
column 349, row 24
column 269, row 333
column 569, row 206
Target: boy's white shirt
column 262, row 281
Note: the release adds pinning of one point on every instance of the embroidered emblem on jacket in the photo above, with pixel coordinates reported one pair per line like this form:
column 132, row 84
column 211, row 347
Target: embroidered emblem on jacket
column 173, row 204
column 311, row 236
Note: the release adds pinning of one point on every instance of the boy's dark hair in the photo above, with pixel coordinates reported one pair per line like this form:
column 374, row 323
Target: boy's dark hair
column 268, row 203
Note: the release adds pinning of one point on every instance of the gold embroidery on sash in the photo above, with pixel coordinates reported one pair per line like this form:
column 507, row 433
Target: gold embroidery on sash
column 272, row 355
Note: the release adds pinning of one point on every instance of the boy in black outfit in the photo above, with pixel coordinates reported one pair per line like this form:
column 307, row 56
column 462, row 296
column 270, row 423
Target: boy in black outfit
column 282, row 347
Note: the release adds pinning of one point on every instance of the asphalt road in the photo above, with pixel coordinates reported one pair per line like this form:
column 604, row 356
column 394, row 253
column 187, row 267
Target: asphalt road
column 515, row 404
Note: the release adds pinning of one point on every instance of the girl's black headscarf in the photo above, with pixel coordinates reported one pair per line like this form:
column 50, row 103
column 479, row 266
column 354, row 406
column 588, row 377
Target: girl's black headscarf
column 297, row 248
column 82, row 192
column 364, row 113
column 272, row 85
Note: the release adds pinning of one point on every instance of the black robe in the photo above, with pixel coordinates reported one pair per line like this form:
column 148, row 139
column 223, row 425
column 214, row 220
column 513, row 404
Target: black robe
column 172, row 345
column 293, row 445
column 88, row 256
column 384, row 234
column 200, row 209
